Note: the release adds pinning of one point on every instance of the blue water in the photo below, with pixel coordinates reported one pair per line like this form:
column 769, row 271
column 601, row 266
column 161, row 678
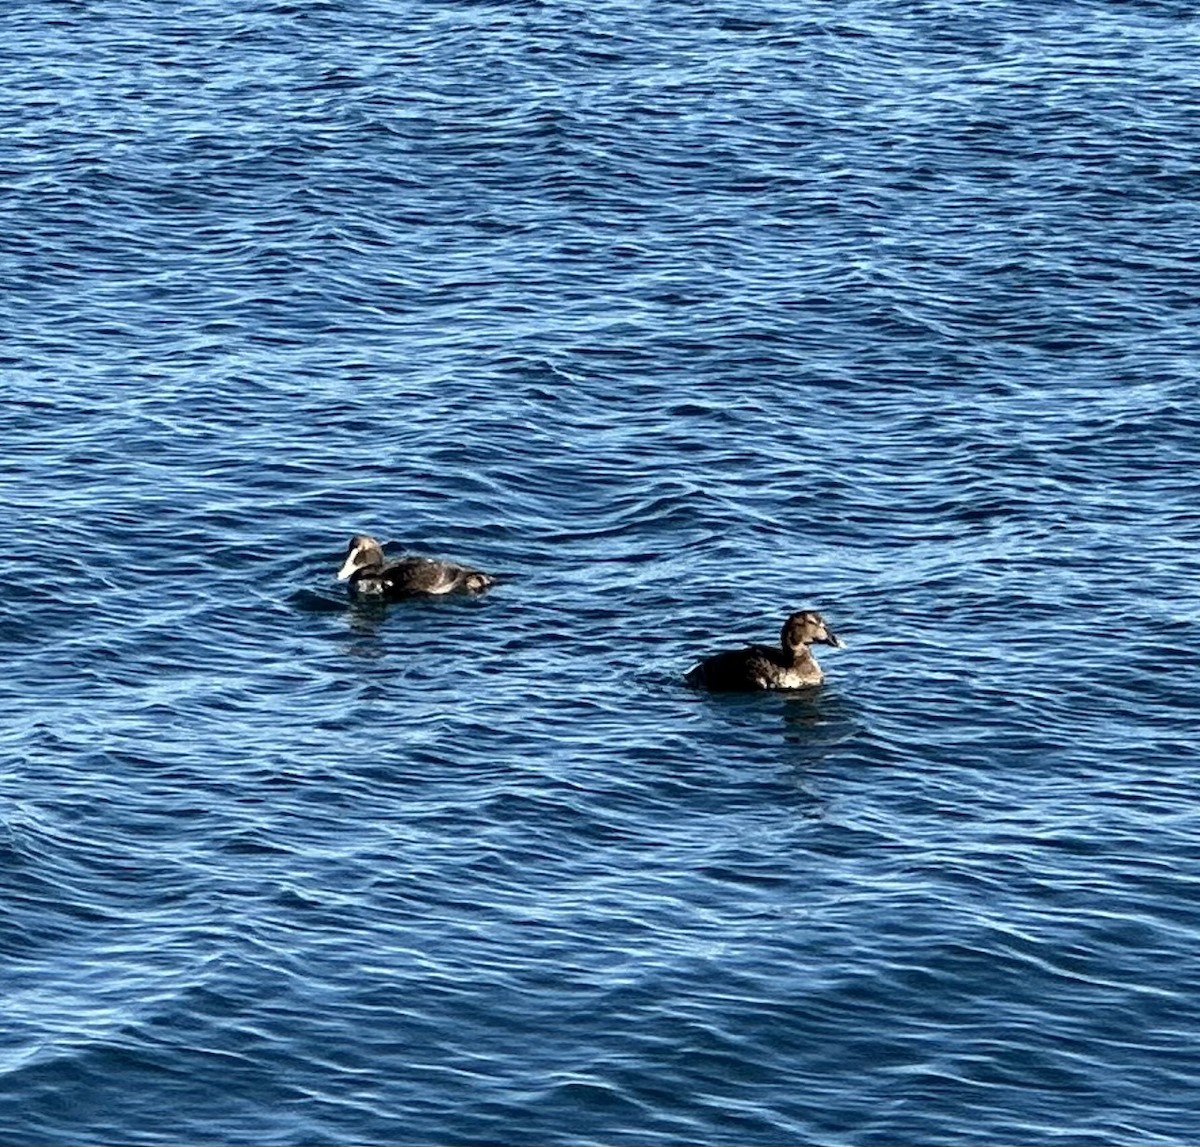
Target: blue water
column 677, row 317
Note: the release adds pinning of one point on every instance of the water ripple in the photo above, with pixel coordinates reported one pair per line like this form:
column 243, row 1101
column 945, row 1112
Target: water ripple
column 677, row 318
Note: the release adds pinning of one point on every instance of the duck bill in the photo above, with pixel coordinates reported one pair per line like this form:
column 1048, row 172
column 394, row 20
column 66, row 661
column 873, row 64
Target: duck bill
column 348, row 567
column 832, row 638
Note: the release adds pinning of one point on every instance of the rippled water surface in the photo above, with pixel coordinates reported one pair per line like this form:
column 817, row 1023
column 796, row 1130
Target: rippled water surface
column 677, row 317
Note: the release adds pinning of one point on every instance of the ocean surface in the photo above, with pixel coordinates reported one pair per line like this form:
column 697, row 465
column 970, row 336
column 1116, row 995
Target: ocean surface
column 677, row 317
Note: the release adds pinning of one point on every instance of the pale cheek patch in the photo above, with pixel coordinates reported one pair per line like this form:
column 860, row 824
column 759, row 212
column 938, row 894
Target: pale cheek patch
column 350, row 564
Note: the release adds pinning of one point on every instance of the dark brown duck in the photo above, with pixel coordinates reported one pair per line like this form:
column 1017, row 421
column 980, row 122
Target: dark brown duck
column 372, row 577
column 790, row 665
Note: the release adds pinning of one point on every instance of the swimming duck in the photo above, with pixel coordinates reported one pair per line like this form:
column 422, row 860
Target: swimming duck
column 791, row 666
column 371, row 576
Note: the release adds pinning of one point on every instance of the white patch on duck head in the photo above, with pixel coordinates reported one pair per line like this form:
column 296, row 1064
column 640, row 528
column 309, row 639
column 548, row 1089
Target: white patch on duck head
column 362, row 552
column 350, row 564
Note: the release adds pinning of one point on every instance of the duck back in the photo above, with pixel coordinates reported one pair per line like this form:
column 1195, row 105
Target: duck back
column 411, row 577
column 739, row 670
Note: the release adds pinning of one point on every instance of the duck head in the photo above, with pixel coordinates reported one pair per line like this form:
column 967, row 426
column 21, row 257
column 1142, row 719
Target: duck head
column 362, row 552
column 807, row 628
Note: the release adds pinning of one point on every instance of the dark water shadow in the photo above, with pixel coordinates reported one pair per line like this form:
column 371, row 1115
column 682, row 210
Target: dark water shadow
column 367, row 616
column 308, row 601
column 798, row 730
column 816, row 715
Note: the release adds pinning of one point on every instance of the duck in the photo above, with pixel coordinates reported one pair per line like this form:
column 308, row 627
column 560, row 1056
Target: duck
column 372, row 577
column 790, row 666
